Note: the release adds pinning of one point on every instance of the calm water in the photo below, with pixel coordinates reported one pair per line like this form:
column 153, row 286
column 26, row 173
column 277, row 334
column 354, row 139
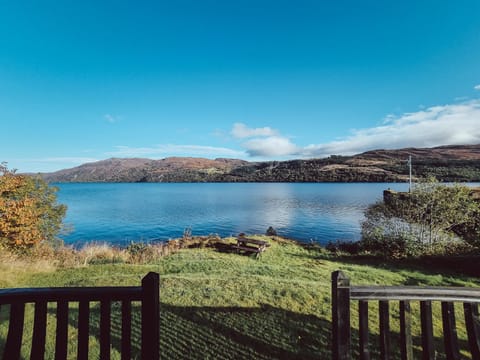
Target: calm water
column 121, row 213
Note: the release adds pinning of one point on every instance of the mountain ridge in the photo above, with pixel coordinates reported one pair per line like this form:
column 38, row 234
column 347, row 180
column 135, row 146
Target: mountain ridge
column 446, row 163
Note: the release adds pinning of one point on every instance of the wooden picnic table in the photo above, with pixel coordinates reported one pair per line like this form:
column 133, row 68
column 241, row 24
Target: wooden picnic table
column 250, row 245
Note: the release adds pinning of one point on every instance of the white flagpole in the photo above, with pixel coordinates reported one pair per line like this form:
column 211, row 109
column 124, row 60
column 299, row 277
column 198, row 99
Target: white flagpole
column 410, row 173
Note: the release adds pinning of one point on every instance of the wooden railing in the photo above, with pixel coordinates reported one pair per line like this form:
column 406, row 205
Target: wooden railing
column 343, row 294
column 147, row 294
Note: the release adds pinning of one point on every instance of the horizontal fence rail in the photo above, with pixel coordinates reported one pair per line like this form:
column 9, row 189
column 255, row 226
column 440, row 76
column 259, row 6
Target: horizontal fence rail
column 420, row 293
column 343, row 294
column 112, row 293
column 17, row 299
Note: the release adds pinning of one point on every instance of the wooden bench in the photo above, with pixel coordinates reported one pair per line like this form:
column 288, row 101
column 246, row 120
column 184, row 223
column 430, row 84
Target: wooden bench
column 249, row 245
column 147, row 294
column 343, row 294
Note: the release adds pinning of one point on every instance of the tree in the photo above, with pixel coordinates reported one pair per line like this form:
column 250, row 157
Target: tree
column 29, row 212
column 424, row 220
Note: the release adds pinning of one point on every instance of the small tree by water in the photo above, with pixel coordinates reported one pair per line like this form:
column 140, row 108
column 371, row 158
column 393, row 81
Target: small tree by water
column 29, row 212
column 432, row 218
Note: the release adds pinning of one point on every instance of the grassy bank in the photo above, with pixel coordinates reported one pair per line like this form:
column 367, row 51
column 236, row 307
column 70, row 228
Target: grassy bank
column 222, row 305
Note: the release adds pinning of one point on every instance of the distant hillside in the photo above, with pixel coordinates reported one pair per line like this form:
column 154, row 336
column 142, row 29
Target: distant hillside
column 174, row 169
column 447, row 163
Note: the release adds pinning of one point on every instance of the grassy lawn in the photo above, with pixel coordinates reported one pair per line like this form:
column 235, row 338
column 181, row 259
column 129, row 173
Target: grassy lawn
column 217, row 305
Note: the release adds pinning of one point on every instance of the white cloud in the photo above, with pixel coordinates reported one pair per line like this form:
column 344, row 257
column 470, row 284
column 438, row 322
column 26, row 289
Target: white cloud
column 263, row 142
column 453, row 124
column 477, row 87
column 270, row 146
column 241, row 131
column 111, row 118
column 174, row 150
column 65, row 160
column 49, row 164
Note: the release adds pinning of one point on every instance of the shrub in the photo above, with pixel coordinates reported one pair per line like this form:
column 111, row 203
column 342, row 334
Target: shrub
column 29, row 213
column 339, row 246
column 420, row 222
column 102, row 254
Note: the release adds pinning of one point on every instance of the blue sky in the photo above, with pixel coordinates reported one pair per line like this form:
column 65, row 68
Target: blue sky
column 87, row 80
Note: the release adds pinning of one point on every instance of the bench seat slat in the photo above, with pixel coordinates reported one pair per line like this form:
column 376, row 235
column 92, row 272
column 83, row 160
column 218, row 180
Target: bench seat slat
column 248, row 248
column 244, row 240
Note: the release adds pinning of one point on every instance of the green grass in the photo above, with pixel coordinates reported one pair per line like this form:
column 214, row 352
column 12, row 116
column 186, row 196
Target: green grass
column 218, row 305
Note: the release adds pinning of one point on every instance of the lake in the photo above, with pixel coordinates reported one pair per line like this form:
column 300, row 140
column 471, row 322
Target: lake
column 122, row 213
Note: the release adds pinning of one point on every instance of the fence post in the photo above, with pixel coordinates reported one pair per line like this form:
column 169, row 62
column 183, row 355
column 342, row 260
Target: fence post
column 150, row 317
column 340, row 316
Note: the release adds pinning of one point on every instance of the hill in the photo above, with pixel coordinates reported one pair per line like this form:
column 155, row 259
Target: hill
column 446, row 163
column 174, row 169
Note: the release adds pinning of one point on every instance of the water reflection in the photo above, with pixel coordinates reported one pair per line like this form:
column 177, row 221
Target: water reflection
column 120, row 213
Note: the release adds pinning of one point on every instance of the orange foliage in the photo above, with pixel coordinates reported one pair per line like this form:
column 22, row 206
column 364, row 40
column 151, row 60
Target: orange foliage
column 24, row 212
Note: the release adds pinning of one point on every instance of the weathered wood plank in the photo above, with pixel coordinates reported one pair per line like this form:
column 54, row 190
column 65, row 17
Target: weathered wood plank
column 105, row 337
column 244, row 240
column 428, row 350
column 126, row 330
column 425, row 293
column 415, row 293
column 472, row 322
column 15, row 331
column 384, row 315
column 83, row 329
column 363, row 330
column 340, row 316
column 248, row 248
column 61, row 337
column 39, row 331
column 450, row 337
column 151, row 317
column 31, row 295
column 406, row 348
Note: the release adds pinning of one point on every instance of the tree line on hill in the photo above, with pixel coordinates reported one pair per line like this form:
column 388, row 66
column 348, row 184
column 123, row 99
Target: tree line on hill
column 447, row 164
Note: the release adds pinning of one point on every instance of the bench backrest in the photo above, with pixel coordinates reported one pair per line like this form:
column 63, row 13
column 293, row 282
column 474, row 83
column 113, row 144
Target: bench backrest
column 343, row 294
column 147, row 294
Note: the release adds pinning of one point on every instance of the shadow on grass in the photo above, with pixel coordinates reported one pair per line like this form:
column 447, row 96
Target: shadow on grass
column 265, row 332
column 243, row 333
column 230, row 249
column 455, row 267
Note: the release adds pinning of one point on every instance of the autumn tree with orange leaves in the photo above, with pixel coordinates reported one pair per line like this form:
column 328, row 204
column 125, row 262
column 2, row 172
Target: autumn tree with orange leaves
column 29, row 212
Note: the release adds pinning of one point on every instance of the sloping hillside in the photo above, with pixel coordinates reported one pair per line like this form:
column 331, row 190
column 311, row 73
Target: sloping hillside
column 145, row 170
